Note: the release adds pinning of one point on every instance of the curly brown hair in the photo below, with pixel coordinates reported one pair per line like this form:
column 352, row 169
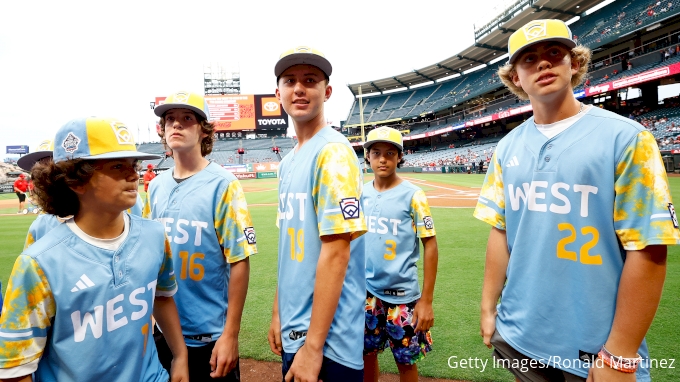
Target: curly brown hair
column 52, row 184
column 206, row 127
column 579, row 53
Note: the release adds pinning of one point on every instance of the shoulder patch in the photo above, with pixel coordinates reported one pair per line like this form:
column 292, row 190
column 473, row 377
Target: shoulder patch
column 429, row 224
column 250, row 235
column 674, row 217
column 350, row 208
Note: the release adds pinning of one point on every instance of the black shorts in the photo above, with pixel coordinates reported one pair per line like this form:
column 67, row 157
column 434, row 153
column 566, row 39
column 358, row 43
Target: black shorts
column 526, row 369
column 22, row 196
column 199, row 361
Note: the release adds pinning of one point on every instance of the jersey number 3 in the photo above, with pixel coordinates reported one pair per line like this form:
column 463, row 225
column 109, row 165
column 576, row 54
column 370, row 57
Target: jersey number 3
column 391, row 248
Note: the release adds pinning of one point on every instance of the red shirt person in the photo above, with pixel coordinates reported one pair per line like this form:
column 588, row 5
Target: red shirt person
column 20, row 187
column 148, row 176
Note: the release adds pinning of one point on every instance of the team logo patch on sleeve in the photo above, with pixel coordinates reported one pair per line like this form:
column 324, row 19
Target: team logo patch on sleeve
column 429, row 224
column 350, row 208
column 250, row 234
column 674, row 217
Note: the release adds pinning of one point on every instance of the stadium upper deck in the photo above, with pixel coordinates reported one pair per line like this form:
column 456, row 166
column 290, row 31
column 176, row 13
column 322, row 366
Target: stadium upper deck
column 475, row 68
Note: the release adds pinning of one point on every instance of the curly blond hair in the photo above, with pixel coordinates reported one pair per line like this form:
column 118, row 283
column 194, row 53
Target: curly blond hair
column 579, row 53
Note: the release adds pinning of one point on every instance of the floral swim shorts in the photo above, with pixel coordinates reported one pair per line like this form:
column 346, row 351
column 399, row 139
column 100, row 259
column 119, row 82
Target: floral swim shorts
column 394, row 323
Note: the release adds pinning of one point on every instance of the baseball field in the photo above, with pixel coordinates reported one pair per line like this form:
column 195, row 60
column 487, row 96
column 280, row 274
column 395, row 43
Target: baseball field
column 458, row 350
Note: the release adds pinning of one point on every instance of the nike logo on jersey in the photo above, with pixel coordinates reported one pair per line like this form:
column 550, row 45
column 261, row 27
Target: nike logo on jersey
column 83, row 283
column 513, row 162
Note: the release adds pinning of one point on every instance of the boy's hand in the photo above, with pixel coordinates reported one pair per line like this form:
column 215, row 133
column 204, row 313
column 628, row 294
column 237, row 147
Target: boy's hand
column 306, row 366
column 423, row 316
column 487, row 326
column 224, row 356
column 603, row 373
column 179, row 369
column 274, row 336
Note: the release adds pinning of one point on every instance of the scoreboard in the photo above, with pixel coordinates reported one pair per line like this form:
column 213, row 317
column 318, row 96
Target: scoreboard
column 239, row 112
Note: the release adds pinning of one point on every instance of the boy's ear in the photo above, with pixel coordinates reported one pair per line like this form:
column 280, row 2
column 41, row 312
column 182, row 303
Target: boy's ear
column 80, row 190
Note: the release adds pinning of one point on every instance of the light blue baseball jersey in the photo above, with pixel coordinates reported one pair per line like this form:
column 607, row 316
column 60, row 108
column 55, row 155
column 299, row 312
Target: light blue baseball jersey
column 571, row 207
column 85, row 312
column 319, row 190
column 45, row 222
column 209, row 227
column 395, row 219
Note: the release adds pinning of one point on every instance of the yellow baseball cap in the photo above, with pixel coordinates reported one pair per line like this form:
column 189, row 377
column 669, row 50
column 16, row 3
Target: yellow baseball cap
column 387, row 135
column 302, row 55
column 184, row 100
column 537, row 31
column 44, row 150
column 96, row 138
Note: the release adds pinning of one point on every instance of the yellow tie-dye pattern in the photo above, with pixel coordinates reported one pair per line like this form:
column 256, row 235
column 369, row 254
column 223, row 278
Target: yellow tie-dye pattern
column 28, row 304
column 641, row 188
column 493, row 191
column 146, row 211
column 29, row 241
column 231, row 219
column 166, row 284
column 419, row 209
column 337, row 177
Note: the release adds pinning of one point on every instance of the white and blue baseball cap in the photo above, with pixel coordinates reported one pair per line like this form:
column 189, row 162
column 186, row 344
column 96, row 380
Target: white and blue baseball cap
column 96, row 138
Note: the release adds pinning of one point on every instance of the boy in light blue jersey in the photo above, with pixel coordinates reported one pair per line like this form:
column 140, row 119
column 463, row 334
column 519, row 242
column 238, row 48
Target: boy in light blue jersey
column 581, row 214
column 45, row 222
column 397, row 214
column 205, row 214
column 318, row 311
column 79, row 301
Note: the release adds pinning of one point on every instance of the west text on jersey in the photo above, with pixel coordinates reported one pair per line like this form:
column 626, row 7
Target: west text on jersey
column 183, row 235
column 96, row 322
column 531, row 194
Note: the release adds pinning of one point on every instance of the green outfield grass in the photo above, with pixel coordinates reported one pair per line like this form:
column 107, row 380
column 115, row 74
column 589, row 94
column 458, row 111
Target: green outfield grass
column 462, row 242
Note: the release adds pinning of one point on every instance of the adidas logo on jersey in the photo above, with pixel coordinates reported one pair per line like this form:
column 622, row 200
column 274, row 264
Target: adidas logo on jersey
column 83, row 283
column 513, row 162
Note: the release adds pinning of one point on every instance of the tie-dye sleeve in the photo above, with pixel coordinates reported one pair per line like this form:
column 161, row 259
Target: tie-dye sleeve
column 167, row 284
column 146, row 210
column 420, row 213
column 233, row 224
column 337, row 191
column 29, row 240
column 26, row 314
column 491, row 203
column 643, row 210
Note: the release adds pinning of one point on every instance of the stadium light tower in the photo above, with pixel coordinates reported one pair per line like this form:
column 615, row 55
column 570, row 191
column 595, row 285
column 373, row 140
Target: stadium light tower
column 361, row 122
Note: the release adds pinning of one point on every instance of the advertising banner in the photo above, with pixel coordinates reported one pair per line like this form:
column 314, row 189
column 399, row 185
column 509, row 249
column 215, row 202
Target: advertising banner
column 19, row 149
column 236, row 168
column 634, row 80
column 238, row 112
column 245, row 175
column 266, row 174
column 267, row 166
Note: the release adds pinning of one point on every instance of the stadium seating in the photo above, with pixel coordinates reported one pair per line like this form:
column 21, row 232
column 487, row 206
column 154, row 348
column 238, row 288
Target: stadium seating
column 597, row 29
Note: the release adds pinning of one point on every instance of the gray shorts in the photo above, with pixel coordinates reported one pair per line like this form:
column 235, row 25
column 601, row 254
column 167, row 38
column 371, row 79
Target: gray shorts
column 522, row 366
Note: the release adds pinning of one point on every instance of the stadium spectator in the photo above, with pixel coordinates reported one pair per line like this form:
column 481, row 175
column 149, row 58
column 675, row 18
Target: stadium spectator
column 525, row 266
column 630, row 65
column 148, row 176
column 20, row 188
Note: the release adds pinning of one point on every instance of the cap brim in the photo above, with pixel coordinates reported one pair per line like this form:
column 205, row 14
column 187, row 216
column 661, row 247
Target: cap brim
column 161, row 109
column 123, row 154
column 563, row 40
column 27, row 161
column 371, row 143
column 303, row 59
